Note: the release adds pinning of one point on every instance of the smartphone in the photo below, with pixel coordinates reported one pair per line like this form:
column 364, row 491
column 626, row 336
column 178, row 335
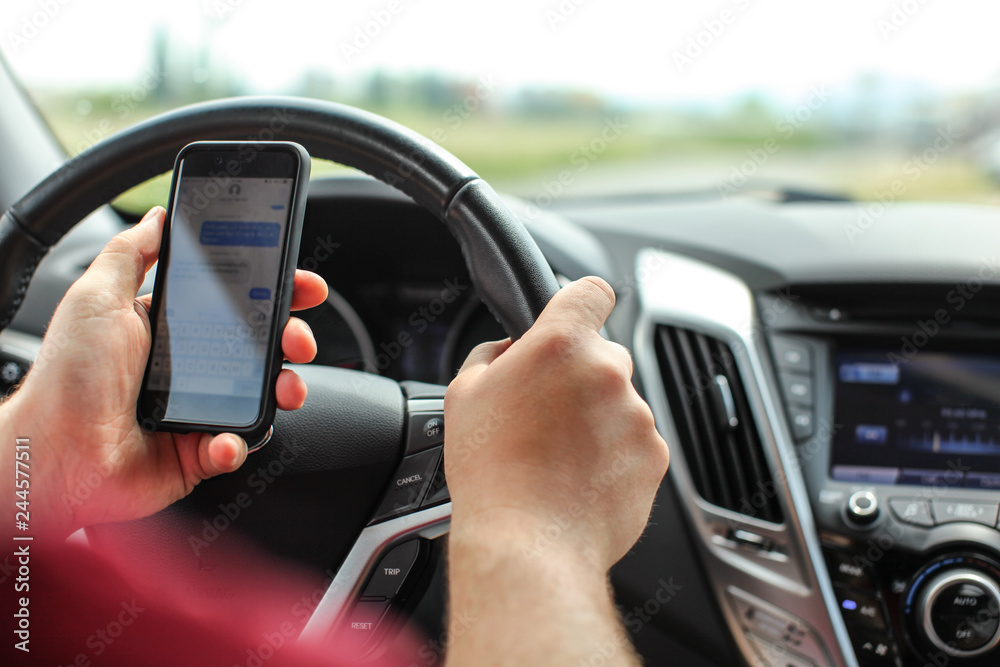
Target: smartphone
column 223, row 288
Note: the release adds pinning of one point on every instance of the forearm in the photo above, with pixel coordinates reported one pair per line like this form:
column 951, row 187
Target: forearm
column 511, row 604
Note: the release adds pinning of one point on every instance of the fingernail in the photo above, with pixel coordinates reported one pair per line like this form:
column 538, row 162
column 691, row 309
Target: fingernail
column 152, row 213
column 240, row 453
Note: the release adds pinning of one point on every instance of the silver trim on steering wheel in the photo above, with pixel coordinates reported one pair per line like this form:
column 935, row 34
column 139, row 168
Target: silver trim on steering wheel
column 375, row 540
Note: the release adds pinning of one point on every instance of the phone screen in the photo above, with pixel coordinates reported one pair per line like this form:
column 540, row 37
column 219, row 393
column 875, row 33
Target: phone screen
column 214, row 322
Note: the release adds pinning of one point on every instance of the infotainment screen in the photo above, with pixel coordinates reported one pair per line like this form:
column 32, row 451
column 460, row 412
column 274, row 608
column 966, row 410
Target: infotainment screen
column 931, row 419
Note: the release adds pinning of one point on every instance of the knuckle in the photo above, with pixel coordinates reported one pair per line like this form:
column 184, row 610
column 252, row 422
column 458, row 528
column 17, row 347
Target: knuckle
column 558, row 343
column 607, row 373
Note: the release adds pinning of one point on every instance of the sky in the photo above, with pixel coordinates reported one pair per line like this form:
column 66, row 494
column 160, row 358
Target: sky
column 650, row 51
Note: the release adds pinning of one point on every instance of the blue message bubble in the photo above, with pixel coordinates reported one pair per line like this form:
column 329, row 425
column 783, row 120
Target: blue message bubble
column 260, row 293
column 238, row 233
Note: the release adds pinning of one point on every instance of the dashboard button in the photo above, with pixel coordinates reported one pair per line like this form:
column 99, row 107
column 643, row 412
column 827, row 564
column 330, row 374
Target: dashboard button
column 982, row 480
column 865, row 474
column 426, row 431
column 948, row 511
column 873, row 649
column 846, row 569
column 408, row 485
column 915, row 512
column 919, row 477
column 862, row 508
column 392, row 571
column 773, row 626
column 778, row 654
column 797, row 388
column 861, row 610
column 802, row 421
column 959, row 613
column 790, row 355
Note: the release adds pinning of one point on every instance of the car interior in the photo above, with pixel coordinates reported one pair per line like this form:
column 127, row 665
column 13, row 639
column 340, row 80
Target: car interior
column 822, row 360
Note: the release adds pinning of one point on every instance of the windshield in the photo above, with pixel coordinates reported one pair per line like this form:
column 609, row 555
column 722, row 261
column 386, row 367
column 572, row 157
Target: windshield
column 560, row 99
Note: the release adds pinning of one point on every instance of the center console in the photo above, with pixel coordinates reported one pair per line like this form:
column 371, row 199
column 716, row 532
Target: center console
column 897, row 428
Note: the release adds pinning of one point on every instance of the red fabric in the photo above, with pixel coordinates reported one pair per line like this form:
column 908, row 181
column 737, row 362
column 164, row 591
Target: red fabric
column 88, row 607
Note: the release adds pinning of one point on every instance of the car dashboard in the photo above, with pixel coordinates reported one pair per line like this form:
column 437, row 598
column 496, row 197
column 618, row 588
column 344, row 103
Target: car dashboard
column 826, row 374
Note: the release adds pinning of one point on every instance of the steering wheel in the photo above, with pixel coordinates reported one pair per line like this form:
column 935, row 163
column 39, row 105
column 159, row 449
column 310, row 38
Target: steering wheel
column 362, row 459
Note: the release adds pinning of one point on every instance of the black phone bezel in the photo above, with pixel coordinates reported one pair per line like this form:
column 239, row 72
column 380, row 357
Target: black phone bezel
column 244, row 160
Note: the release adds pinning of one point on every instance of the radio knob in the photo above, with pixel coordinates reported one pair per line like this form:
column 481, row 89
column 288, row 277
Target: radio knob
column 862, row 508
column 959, row 613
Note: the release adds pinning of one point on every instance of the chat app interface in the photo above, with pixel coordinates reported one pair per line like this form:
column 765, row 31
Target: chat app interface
column 216, row 308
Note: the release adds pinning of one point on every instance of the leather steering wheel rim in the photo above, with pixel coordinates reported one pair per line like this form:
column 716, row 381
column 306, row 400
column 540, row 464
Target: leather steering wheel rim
column 506, row 266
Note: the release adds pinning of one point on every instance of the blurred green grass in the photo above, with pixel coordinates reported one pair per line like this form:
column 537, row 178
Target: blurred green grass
column 510, row 150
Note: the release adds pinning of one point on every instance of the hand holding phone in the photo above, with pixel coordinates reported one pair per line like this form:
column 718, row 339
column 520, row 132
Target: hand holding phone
column 223, row 288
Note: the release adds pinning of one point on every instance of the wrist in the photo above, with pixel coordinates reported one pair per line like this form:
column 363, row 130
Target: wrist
column 504, row 585
column 529, row 536
column 517, row 536
column 29, row 487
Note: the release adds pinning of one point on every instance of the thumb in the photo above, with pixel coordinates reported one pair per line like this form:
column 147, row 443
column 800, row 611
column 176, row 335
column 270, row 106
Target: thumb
column 586, row 303
column 122, row 265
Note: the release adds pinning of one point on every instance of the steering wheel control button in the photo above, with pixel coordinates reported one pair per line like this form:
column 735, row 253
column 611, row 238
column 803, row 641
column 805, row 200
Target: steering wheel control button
column 426, row 431
column 392, row 570
column 913, row 512
column 408, row 486
column 791, row 355
column 959, row 613
column 949, row 511
column 862, row 508
column 363, row 621
column 797, row 388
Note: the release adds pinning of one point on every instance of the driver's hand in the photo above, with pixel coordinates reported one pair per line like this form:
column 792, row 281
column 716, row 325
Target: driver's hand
column 548, row 446
column 90, row 461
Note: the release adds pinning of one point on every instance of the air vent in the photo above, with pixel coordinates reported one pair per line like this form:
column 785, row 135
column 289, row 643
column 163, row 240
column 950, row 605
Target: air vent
column 717, row 431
